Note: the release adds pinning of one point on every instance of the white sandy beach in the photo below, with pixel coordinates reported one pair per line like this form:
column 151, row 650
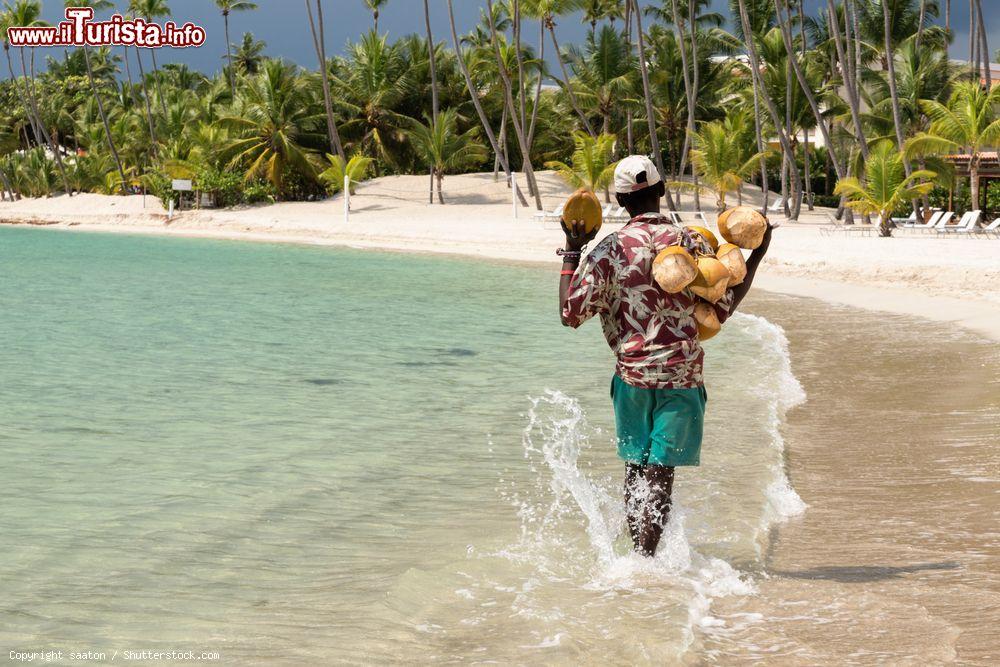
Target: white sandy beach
column 943, row 279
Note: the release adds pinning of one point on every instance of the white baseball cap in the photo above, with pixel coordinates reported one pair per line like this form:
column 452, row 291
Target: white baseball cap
column 634, row 173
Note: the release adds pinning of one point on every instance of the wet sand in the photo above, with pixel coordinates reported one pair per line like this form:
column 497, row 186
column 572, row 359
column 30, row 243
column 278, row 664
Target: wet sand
column 897, row 559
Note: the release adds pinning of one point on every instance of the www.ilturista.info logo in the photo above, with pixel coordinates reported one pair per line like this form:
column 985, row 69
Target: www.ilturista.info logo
column 80, row 29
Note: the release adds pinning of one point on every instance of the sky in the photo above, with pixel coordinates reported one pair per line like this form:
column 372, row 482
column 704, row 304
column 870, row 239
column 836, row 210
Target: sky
column 283, row 25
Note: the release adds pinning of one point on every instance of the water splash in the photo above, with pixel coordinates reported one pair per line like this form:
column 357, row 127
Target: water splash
column 572, row 517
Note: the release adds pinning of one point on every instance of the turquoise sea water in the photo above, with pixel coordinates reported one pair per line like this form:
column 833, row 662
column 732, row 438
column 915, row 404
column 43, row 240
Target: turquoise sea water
column 301, row 455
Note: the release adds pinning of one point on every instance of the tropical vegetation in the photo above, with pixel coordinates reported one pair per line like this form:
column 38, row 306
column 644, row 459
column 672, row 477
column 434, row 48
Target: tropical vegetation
column 788, row 96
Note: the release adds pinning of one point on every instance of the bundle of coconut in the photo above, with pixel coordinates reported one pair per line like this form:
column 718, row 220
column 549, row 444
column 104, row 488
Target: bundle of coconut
column 709, row 275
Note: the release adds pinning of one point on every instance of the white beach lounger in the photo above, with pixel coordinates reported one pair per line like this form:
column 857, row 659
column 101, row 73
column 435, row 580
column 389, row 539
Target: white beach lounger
column 906, row 222
column 545, row 215
column 966, row 225
column 939, row 219
column 779, row 205
column 991, row 229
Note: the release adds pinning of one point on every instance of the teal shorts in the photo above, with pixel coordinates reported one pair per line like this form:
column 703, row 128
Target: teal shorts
column 661, row 427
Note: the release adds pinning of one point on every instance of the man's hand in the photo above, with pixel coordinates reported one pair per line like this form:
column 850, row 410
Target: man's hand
column 576, row 234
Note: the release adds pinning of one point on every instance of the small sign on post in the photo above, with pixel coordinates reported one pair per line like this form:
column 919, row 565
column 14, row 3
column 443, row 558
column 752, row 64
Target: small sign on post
column 181, row 185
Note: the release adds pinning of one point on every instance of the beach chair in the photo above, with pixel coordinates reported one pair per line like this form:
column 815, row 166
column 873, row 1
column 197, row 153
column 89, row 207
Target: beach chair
column 966, row 225
column 777, row 206
column 992, row 229
column 618, row 215
column 939, row 218
column 834, row 226
column 906, row 222
column 545, row 216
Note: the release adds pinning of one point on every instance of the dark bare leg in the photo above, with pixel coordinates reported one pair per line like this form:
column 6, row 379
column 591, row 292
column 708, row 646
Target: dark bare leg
column 656, row 511
column 635, row 474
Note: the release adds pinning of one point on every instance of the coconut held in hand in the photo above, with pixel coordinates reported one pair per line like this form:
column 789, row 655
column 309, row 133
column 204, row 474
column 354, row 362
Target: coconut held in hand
column 732, row 257
column 708, row 321
column 743, row 226
column 712, row 280
column 674, row 269
column 583, row 205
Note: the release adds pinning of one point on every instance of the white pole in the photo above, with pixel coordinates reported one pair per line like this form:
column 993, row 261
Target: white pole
column 513, row 192
column 170, row 209
column 347, row 199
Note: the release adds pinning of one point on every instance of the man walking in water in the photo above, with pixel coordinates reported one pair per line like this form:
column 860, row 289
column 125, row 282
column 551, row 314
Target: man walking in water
column 658, row 388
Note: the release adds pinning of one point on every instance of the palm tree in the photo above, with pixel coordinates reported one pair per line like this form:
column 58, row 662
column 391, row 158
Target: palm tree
column 887, row 186
column 375, row 6
column 599, row 10
column 434, row 82
column 274, row 125
column 592, row 167
column 724, row 155
column 477, row 103
column 547, row 11
column 151, row 10
column 24, row 13
column 319, row 43
column 227, row 7
column 440, row 144
column 371, row 83
column 249, row 54
column 772, row 109
column 604, row 74
column 968, row 123
column 650, row 117
column 519, row 129
column 98, row 5
column 354, row 170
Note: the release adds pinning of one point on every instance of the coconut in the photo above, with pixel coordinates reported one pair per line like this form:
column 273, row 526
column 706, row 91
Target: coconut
column 712, row 280
column 708, row 321
column 674, row 269
column 743, row 226
column 706, row 234
column 732, row 257
column 583, row 205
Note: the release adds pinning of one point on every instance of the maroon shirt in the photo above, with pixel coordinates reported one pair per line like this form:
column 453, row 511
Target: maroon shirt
column 653, row 333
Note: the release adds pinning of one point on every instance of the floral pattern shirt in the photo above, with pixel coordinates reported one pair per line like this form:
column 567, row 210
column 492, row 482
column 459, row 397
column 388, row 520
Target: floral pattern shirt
column 652, row 333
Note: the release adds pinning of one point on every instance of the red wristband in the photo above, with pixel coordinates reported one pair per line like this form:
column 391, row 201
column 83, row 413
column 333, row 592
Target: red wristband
column 567, row 273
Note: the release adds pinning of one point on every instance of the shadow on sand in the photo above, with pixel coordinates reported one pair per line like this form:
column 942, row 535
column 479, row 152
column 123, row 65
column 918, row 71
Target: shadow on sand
column 849, row 574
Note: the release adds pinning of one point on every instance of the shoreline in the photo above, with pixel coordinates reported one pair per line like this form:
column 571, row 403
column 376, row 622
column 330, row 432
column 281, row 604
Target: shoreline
column 978, row 316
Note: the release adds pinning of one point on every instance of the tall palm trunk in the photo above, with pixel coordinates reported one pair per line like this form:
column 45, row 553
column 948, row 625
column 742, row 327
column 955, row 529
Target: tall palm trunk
column 46, row 136
column 159, row 84
column 319, row 43
column 679, row 26
column 654, row 140
column 23, row 98
column 474, row 95
column 890, row 60
column 920, row 24
column 629, row 131
column 947, row 15
column 229, row 52
column 550, row 22
column 104, row 117
column 848, row 75
column 145, row 98
column 519, row 130
column 695, row 84
column 434, row 86
column 538, row 87
column 984, row 45
column 760, row 146
column 784, row 22
column 772, row 109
